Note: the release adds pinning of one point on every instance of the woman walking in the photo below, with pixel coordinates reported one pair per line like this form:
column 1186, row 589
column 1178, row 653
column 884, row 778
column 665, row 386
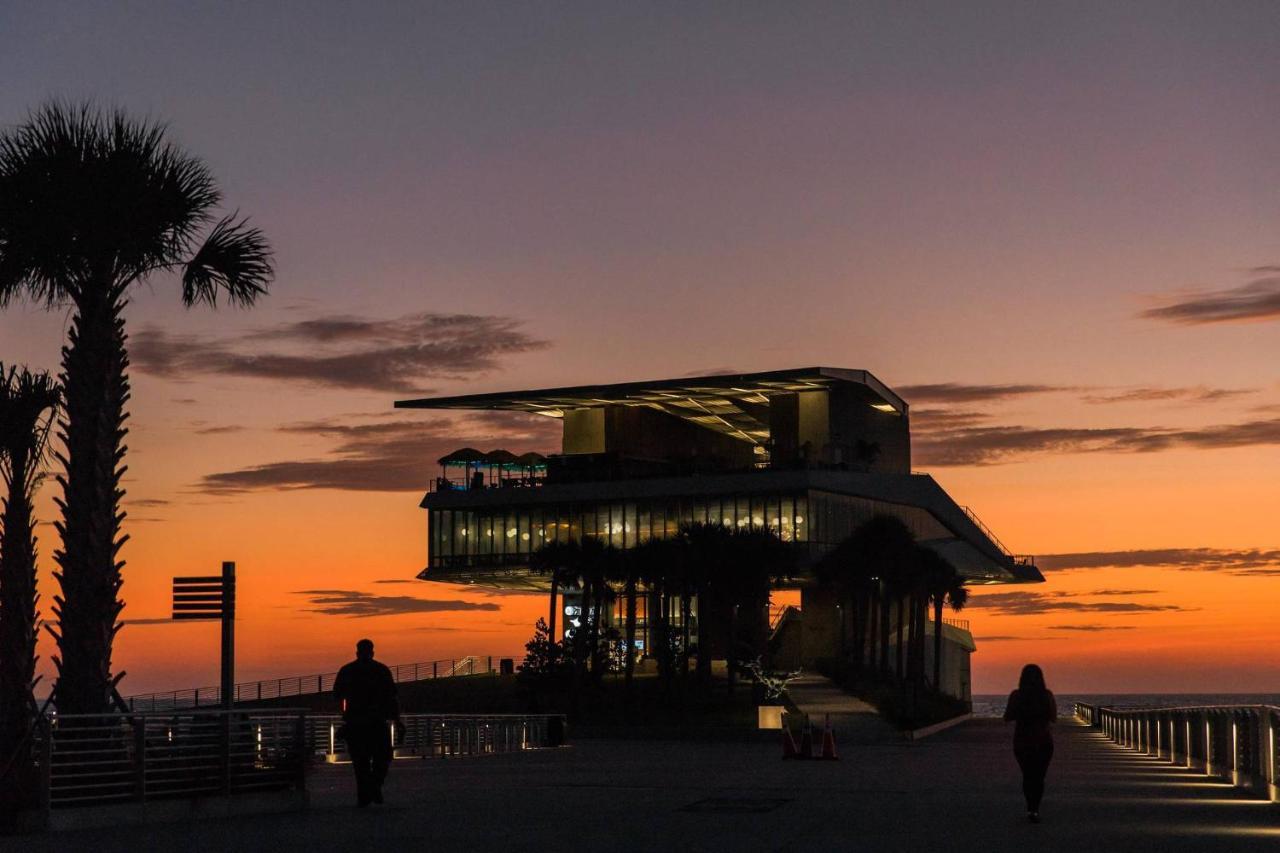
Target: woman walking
column 1032, row 709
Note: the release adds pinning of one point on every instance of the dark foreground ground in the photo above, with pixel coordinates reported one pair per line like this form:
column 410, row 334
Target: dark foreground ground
column 955, row 791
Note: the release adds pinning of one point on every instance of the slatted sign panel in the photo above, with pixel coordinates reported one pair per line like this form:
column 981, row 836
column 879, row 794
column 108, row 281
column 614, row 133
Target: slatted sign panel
column 203, row 597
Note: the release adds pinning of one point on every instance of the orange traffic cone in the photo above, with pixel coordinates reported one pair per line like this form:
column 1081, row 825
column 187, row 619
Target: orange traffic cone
column 829, row 742
column 788, row 744
column 806, row 741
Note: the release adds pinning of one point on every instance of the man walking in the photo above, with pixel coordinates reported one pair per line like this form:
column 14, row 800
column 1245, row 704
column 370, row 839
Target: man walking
column 367, row 693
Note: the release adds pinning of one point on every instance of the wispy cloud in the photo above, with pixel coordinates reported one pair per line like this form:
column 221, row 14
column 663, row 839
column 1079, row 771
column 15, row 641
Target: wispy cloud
column 392, row 355
column 227, row 429
column 1196, row 394
column 1092, row 627
column 927, row 420
column 387, row 456
column 1253, row 301
column 1236, row 561
column 955, row 392
column 1028, row 603
column 350, row 602
column 999, row 444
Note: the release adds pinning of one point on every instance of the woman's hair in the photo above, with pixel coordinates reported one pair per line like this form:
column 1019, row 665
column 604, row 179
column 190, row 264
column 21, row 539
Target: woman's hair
column 1032, row 679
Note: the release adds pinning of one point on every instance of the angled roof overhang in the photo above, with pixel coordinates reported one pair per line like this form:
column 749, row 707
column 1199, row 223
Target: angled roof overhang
column 734, row 404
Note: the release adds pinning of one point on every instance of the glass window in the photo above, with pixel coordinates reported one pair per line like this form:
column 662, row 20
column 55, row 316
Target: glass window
column 630, row 528
column 525, row 536
column 484, row 534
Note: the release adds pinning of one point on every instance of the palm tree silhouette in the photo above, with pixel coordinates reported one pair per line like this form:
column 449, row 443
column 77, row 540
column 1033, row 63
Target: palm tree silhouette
column 880, row 550
column 28, row 402
column 91, row 205
column 944, row 584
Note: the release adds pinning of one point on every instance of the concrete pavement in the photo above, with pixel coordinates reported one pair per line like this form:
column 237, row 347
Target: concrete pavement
column 956, row 791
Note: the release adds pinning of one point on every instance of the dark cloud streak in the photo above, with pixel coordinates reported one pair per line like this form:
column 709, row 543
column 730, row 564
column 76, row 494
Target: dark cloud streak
column 955, row 392
column 1250, row 302
column 1238, row 561
column 390, row 456
column 350, row 602
column 1030, row 603
column 355, row 353
column 996, row 444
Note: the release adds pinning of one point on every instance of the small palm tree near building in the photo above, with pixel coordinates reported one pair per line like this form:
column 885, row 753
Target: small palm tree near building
column 943, row 585
column 28, row 403
column 867, row 569
column 92, row 205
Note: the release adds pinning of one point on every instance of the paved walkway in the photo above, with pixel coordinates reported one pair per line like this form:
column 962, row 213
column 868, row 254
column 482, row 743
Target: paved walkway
column 957, row 791
column 853, row 720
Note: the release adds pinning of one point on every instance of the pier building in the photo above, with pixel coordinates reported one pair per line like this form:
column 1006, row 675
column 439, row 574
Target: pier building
column 807, row 453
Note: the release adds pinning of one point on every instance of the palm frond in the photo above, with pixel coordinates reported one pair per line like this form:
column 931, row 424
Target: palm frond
column 95, row 199
column 234, row 259
column 29, row 403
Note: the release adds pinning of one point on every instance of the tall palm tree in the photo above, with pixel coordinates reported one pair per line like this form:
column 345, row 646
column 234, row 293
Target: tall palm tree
column 881, row 546
column 846, row 573
column 559, row 561
column 92, row 205
column 655, row 562
column 584, row 564
column 628, row 570
column 944, row 584
column 28, row 402
column 728, row 570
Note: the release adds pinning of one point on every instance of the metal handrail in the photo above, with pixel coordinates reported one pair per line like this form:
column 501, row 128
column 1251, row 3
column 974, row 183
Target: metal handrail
column 103, row 759
column 299, row 685
column 1233, row 742
column 447, row 735
column 987, row 531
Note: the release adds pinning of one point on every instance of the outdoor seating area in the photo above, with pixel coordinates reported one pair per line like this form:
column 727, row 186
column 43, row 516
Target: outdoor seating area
column 497, row 469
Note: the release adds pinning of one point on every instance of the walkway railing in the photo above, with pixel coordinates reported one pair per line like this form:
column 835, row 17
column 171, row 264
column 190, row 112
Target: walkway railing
column 447, row 735
column 104, row 759
column 1022, row 559
column 1233, row 742
column 299, row 685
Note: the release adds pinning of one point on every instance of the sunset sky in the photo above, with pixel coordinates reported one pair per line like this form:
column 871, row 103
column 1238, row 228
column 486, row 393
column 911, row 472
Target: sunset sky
column 1054, row 230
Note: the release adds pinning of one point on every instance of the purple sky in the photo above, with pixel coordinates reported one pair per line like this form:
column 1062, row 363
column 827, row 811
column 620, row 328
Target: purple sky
column 989, row 194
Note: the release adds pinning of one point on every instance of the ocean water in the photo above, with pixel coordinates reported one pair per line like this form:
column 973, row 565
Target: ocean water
column 992, row 705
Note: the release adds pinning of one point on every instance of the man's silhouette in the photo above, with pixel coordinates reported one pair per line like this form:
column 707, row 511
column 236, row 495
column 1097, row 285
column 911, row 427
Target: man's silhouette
column 368, row 696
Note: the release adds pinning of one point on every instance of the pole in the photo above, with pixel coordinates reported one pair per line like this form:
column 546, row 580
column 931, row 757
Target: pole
column 228, row 635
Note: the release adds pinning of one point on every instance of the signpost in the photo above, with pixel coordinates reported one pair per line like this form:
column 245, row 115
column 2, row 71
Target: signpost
column 213, row 597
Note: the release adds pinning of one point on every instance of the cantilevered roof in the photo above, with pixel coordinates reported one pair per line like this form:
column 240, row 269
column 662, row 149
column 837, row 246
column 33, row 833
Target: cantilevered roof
column 729, row 403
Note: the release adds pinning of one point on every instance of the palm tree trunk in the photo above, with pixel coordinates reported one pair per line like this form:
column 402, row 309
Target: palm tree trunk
column 580, row 634
column 730, row 654
column 551, row 615
column 873, row 627
column 18, row 620
column 96, row 390
column 884, row 632
column 937, row 643
column 902, row 618
column 686, row 610
column 630, row 669
column 860, row 627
